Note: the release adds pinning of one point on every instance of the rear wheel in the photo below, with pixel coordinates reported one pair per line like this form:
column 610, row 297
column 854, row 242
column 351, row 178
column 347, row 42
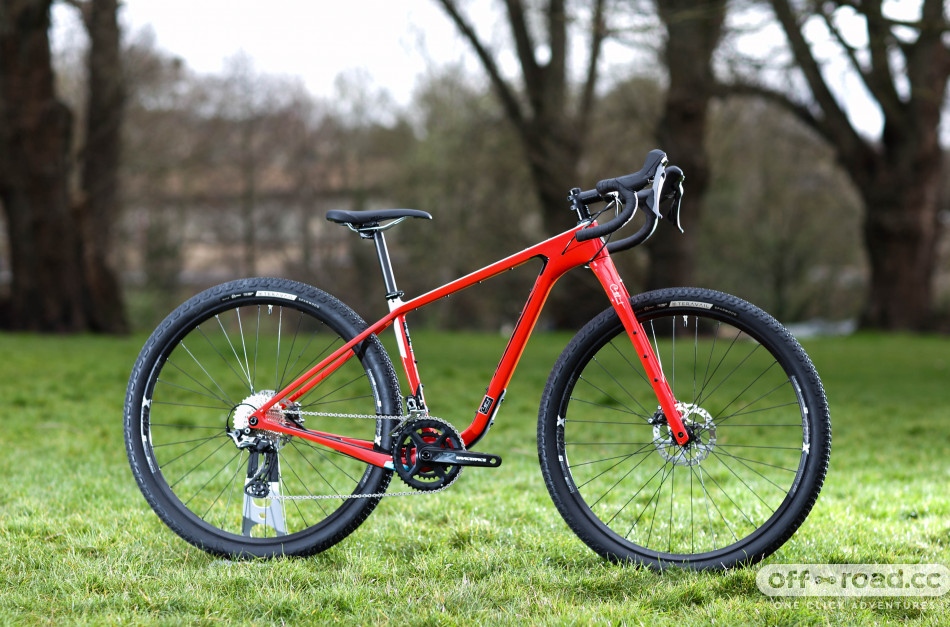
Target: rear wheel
column 205, row 370
column 751, row 401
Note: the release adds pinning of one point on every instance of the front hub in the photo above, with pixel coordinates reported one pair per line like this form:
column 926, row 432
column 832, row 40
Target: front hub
column 701, row 428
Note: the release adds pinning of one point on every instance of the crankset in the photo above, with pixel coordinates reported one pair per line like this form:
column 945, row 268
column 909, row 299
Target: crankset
column 428, row 454
column 439, row 455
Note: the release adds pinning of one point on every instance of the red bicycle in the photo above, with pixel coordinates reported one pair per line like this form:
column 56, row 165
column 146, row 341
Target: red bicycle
column 679, row 427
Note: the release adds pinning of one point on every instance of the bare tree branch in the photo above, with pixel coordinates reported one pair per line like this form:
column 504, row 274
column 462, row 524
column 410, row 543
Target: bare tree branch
column 507, row 96
column 555, row 74
column 797, row 109
column 525, row 48
column 940, row 25
column 834, row 122
column 880, row 79
column 598, row 34
column 928, row 66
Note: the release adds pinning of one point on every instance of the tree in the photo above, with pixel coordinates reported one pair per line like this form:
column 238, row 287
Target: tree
column 465, row 161
column 551, row 121
column 904, row 67
column 98, row 208
column 35, row 131
column 62, row 279
column 693, row 31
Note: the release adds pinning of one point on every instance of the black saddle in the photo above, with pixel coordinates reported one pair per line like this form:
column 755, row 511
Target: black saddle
column 371, row 219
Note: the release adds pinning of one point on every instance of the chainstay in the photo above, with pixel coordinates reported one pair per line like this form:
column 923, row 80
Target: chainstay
column 343, row 497
column 324, row 497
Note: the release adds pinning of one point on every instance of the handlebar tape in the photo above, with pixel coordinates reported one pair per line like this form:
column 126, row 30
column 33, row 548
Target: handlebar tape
column 633, row 183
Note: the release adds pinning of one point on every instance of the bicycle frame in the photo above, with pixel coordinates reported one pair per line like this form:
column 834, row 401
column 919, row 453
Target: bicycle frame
column 558, row 254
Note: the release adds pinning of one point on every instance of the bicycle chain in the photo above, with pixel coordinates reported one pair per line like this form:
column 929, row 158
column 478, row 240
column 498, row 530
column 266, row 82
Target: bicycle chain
column 402, row 420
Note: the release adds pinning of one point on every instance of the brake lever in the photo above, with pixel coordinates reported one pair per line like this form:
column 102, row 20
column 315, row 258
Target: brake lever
column 653, row 201
column 676, row 177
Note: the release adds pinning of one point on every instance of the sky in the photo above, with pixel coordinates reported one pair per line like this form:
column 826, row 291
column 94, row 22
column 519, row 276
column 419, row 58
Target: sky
column 393, row 43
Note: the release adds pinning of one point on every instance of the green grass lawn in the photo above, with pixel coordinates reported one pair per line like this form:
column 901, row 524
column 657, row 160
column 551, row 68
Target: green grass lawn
column 80, row 545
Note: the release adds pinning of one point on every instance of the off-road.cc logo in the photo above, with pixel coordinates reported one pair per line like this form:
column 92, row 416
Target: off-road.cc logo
column 853, row 580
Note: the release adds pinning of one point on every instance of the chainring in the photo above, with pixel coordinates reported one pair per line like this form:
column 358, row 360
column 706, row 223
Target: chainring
column 411, row 467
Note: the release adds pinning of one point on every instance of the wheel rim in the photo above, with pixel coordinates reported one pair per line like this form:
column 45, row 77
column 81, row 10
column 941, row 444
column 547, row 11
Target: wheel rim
column 209, row 378
column 655, row 498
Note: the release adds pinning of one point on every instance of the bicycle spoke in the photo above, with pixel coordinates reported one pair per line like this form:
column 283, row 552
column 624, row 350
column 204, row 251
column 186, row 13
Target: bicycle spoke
column 290, row 351
column 211, row 378
column 609, row 396
column 210, row 393
column 223, row 488
column 702, row 399
column 292, row 368
column 230, row 488
column 195, row 467
column 320, row 400
column 608, row 407
column 753, row 470
column 194, row 448
column 605, row 471
column 240, row 376
column 247, row 364
column 190, row 391
column 286, row 465
column 280, row 324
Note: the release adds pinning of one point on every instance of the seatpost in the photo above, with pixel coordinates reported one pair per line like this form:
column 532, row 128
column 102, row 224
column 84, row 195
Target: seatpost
column 389, row 280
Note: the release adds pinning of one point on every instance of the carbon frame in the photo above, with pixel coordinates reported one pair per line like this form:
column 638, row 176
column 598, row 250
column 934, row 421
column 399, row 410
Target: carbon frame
column 558, row 254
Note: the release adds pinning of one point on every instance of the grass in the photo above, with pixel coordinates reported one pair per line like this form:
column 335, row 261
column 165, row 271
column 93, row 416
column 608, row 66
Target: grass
column 80, row 545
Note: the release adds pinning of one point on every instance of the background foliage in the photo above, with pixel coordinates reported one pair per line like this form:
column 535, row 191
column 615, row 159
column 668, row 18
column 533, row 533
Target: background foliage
column 229, row 175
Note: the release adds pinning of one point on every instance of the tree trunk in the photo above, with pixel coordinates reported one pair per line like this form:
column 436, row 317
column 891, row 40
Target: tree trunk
column 553, row 152
column 550, row 129
column 900, row 234
column 898, row 177
column 681, row 135
column 693, row 29
column 98, row 210
column 35, row 129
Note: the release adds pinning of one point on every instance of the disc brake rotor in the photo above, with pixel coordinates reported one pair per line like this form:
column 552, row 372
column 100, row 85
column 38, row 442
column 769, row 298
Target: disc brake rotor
column 702, row 429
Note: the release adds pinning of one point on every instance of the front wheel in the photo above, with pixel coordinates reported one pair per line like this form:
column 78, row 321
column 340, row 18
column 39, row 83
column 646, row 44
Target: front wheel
column 751, row 401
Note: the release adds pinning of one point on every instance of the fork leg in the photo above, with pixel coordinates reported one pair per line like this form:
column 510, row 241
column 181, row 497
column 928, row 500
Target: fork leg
column 603, row 266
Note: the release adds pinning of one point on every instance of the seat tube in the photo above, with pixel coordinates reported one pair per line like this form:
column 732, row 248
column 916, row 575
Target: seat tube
column 401, row 327
column 603, row 266
column 408, row 358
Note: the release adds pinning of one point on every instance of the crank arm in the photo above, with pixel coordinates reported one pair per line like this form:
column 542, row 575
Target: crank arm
column 439, row 455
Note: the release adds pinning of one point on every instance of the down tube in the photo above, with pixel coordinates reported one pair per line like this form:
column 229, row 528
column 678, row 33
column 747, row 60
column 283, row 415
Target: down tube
column 560, row 255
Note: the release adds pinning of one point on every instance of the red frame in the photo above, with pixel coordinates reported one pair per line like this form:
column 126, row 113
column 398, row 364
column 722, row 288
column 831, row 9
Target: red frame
column 558, row 254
